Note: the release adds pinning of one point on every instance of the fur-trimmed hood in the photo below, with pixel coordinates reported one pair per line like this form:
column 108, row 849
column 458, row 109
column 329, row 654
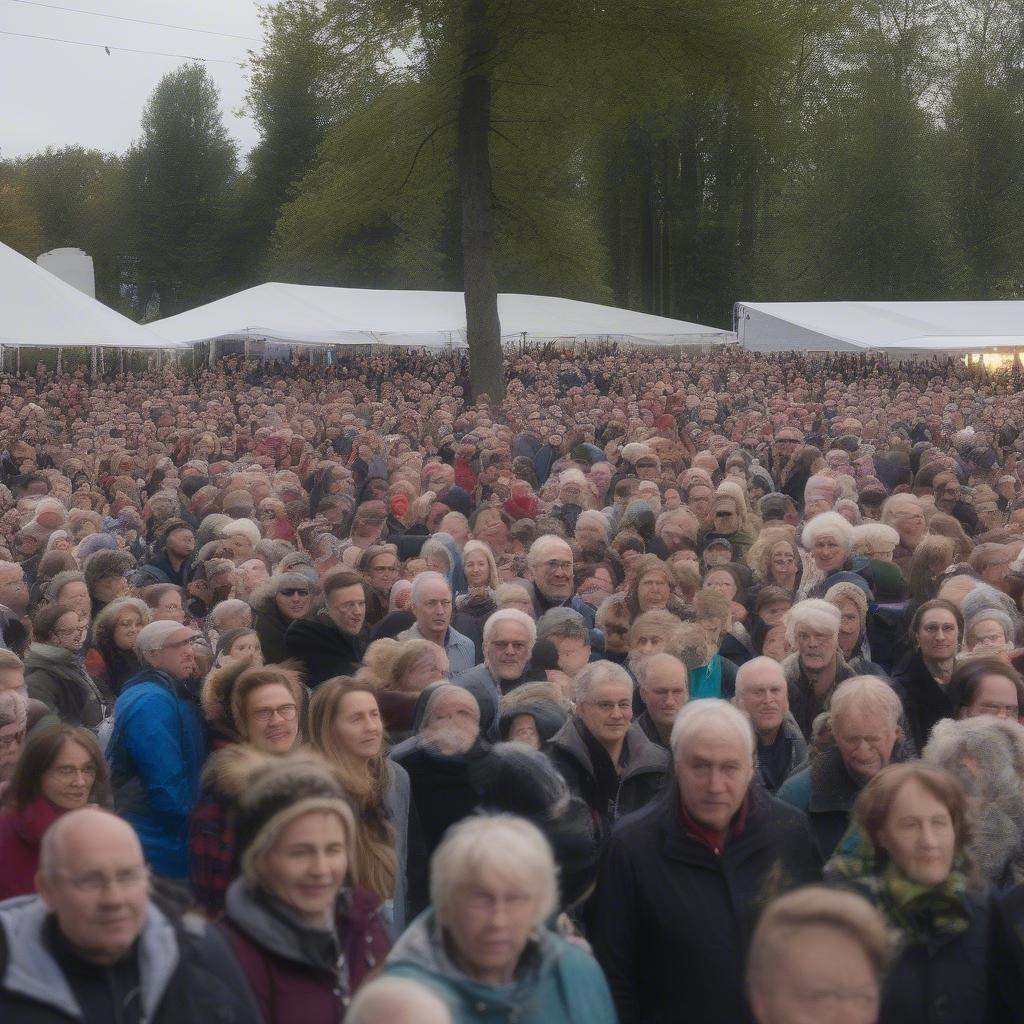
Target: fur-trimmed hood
column 228, row 770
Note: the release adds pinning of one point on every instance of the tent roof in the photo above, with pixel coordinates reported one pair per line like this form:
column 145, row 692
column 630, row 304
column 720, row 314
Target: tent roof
column 901, row 326
column 39, row 309
column 309, row 314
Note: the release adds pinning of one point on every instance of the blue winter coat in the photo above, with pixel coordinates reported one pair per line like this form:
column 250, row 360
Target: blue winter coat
column 559, row 984
column 156, row 754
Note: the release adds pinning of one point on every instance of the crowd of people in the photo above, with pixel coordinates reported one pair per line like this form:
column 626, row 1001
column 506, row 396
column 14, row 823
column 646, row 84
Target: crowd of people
column 673, row 687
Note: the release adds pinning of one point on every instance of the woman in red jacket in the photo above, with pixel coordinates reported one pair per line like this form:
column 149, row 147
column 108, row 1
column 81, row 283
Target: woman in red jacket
column 60, row 769
column 304, row 939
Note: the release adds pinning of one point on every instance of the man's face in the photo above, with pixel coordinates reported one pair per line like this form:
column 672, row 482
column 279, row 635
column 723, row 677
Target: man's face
column 181, row 543
column 508, row 650
column 665, row 690
column 346, row 608
column 177, row 655
column 552, row 573
column 700, row 499
column 817, row 650
column 98, row 892
column 865, row 739
column 383, row 572
column 589, row 534
column 714, row 773
column 433, row 608
column 764, row 698
column 601, row 477
column 608, row 711
column 573, row 654
column 252, row 573
column 13, row 588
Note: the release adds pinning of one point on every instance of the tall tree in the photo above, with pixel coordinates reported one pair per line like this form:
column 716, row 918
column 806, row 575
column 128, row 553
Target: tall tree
column 179, row 176
column 19, row 225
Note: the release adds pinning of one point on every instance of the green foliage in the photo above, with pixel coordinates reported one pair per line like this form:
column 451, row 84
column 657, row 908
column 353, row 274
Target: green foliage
column 19, row 224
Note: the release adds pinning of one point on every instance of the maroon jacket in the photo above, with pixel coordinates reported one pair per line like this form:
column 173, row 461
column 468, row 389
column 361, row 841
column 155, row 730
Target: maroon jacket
column 290, row 980
column 20, row 835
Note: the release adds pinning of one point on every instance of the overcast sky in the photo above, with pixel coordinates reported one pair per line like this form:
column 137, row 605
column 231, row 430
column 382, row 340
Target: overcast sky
column 57, row 94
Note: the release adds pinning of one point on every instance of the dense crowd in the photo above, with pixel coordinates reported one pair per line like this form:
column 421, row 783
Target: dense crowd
column 674, row 687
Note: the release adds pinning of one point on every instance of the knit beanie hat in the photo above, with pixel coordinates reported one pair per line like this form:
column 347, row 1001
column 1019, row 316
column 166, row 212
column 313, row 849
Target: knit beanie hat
column 107, row 563
column 278, row 793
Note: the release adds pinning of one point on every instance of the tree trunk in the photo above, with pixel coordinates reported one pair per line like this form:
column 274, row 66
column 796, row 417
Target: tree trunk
column 486, row 368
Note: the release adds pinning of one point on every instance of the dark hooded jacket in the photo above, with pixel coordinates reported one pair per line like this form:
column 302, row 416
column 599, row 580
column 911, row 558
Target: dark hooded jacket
column 924, row 700
column 322, row 649
column 57, row 677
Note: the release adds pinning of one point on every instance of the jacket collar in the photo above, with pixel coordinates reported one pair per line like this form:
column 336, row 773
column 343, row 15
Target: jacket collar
column 641, row 754
column 32, row 971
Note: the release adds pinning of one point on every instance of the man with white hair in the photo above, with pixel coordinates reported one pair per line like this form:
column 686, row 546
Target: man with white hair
column 664, row 685
column 92, row 946
column 509, row 636
column 864, row 719
column 158, row 746
column 763, row 696
column 683, row 880
column 431, row 604
column 550, row 564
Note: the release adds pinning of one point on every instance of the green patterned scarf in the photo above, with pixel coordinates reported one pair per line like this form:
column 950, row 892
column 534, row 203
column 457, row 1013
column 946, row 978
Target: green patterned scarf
column 918, row 911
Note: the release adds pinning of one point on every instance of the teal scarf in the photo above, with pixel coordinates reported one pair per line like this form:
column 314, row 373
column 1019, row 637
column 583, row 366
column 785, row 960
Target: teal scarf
column 706, row 681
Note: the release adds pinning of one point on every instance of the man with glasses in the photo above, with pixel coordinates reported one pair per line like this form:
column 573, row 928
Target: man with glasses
column 550, row 564
column 93, row 947
column 604, row 757
column 158, row 746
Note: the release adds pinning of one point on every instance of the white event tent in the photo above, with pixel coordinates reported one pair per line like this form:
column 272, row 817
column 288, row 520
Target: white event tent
column 947, row 328
column 38, row 309
column 315, row 315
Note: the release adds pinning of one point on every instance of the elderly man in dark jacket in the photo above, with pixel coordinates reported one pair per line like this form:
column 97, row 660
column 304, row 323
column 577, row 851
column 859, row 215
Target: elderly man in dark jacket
column 682, row 881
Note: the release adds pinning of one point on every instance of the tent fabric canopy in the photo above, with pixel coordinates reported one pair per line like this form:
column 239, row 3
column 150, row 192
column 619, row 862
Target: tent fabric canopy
column 947, row 327
column 38, row 309
column 316, row 315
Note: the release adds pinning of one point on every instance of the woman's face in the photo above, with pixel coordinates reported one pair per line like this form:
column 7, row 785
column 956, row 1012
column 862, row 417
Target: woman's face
column 918, row 835
column 126, row 629
column 829, row 554
column 653, row 590
column 774, row 644
column 307, row 865
column 477, row 569
column 68, row 782
column 358, row 726
column 61, row 544
column 783, row 562
column 293, row 601
column 75, row 597
column 271, row 718
column 987, row 637
column 430, row 668
column 645, row 644
column 438, row 563
column 489, row 924
column 69, row 631
column 849, row 626
column 722, row 581
column 524, row 730
column 247, row 648
column 937, row 634
column 169, row 608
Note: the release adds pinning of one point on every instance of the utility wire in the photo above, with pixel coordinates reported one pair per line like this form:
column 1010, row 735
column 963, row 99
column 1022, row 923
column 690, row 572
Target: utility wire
column 238, row 61
column 137, row 21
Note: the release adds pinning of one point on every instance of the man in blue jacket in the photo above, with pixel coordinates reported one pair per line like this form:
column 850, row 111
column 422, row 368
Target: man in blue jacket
column 157, row 747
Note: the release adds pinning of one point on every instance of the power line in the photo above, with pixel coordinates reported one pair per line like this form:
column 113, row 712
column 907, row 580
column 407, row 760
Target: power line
column 137, row 21
column 238, row 61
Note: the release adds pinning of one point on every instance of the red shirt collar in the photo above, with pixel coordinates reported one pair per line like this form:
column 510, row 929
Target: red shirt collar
column 714, row 840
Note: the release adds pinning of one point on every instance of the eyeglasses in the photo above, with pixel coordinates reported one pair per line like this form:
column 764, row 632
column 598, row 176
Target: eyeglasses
column 606, row 707
column 97, row 881
column 286, row 712
column 293, row 592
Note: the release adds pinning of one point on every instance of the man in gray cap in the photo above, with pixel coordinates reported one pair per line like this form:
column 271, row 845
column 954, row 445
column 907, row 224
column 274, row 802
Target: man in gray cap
column 158, row 747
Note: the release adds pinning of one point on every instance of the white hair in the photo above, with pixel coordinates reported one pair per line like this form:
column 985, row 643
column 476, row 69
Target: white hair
column 815, row 614
column 828, row 524
column 510, row 615
column 643, row 668
column 242, row 528
column 592, row 516
column 866, row 693
column 391, row 1000
column 537, row 548
column 747, row 669
column 868, row 535
column 421, row 581
column 893, row 504
column 595, row 672
column 493, row 844
column 712, row 714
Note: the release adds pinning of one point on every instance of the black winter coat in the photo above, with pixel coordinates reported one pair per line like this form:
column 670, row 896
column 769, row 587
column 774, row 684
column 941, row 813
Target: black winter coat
column 671, row 920
column 322, row 649
column 946, row 980
column 924, row 700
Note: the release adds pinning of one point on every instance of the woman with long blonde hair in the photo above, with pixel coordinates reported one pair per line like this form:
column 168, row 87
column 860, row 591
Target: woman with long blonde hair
column 346, row 729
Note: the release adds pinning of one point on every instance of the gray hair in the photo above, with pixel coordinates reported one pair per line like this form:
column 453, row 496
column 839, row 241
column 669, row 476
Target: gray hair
column 391, row 1000
column 595, row 672
column 992, row 615
column 507, row 592
column 815, row 614
column 422, row 580
column 592, row 516
column 493, row 844
column 435, row 547
column 13, row 709
column 537, row 548
column 748, row 668
column 225, row 608
column 985, row 598
column 828, row 524
column 867, row 693
column 242, row 528
column 60, row 581
column 564, row 622
column 712, row 714
column 642, row 668
column 867, row 535
column 510, row 615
